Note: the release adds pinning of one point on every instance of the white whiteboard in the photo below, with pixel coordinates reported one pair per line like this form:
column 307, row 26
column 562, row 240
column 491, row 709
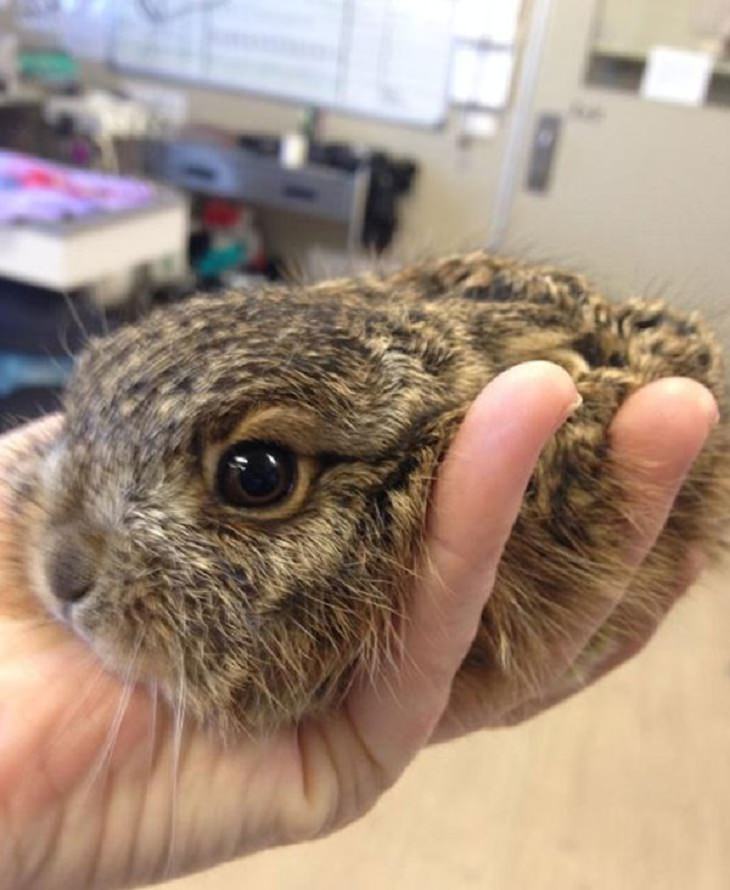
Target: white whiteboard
column 388, row 58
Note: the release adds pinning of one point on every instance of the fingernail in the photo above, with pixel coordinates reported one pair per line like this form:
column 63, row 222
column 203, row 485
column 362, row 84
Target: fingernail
column 575, row 406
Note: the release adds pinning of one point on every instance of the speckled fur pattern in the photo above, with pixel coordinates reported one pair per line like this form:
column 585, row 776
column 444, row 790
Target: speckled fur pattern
column 256, row 622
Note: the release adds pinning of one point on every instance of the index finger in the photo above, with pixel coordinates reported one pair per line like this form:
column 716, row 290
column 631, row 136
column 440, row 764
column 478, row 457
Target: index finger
column 476, row 501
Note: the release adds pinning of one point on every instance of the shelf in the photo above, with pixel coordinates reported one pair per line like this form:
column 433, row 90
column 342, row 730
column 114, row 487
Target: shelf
column 639, row 55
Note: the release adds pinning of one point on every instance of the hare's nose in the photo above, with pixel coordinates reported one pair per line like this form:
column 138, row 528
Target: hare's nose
column 71, row 566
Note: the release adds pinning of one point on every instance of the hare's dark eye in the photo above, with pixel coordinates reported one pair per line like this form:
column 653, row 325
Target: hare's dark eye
column 256, row 474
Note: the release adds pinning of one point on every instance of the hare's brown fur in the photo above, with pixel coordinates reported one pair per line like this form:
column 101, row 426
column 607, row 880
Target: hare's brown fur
column 256, row 622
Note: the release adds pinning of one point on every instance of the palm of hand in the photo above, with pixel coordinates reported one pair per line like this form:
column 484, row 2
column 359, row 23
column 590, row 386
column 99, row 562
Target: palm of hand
column 100, row 785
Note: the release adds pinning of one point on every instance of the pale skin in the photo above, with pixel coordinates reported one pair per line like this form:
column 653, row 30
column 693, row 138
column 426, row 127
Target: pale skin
column 97, row 789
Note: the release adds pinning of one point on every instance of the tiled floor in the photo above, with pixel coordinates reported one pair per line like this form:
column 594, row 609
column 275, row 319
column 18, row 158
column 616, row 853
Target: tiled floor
column 624, row 788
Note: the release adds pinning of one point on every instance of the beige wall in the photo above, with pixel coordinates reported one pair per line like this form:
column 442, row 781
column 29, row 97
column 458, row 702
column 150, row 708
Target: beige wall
column 641, row 190
column 634, row 26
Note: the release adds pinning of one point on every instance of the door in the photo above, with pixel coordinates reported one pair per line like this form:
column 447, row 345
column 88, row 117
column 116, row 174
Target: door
column 638, row 192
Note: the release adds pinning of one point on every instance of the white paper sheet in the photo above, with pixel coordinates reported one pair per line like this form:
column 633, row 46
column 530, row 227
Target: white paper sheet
column 169, row 104
column 495, row 78
column 493, row 20
column 480, row 124
column 481, row 77
column 676, row 75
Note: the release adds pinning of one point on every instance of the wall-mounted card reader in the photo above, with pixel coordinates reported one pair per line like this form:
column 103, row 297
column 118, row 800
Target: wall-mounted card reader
column 542, row 160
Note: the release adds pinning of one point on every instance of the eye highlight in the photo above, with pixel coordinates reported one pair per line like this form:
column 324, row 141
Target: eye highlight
column 256, row 474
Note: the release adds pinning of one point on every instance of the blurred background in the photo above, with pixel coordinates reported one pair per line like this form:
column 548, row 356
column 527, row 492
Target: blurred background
column 150, row 149
column 245, row 140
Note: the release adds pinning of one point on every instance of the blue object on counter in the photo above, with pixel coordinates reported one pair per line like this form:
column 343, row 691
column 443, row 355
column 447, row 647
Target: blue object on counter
column 219, row 260
column 23, row 371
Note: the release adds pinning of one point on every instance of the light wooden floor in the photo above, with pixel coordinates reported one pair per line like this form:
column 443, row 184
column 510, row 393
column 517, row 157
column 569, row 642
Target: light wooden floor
column 624, row 788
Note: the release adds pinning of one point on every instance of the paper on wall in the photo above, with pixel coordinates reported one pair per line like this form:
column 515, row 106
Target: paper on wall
column 677, row 75
column 481, row 77
column 464, row 74
column 495, row 80
column 495, row 20
column 167, row 103
column 480, row 124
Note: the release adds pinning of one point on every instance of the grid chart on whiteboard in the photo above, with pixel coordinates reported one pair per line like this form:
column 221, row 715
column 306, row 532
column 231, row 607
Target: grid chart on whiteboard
column 388, row 58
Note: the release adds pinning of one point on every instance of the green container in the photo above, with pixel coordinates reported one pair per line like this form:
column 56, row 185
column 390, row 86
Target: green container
column 52, row 66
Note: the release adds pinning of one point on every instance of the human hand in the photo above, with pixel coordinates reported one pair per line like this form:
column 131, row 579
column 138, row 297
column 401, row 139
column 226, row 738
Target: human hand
column 102, row 787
